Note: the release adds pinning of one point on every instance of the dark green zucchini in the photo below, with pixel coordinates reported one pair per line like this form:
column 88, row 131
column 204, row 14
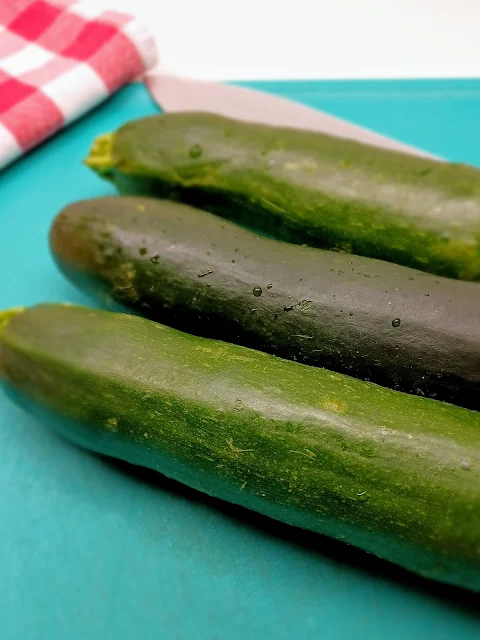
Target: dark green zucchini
column 305, row 187
column 194, row 271
column 394, row 474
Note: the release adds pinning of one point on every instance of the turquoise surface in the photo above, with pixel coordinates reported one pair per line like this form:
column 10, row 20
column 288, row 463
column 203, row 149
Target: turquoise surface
column 92, row 549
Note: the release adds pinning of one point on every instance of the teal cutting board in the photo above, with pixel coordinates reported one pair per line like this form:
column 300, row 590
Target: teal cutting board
column 94, row 550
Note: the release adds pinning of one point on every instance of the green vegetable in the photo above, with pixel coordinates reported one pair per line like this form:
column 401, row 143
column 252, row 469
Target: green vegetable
column 196, row 272
column 394, row 474
column 305, row 187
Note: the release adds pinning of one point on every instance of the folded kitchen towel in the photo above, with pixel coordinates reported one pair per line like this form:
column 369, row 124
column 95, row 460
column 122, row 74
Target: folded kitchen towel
column 58, row 59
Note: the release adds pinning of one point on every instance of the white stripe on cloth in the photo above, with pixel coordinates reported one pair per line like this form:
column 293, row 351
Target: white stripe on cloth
column 65, row 93
column 27, row 59
column 9, row 147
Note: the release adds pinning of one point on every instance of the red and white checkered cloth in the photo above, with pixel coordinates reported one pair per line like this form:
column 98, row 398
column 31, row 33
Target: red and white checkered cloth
column 58, row 59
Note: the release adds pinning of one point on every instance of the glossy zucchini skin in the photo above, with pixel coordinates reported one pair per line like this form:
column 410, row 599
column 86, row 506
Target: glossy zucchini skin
column 187, row 268
column 305, row 187
column 394, row 474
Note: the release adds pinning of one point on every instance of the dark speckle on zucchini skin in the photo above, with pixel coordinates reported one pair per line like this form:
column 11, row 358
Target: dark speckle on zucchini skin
column 397, row 327
column 394, row 474
column 307, row 187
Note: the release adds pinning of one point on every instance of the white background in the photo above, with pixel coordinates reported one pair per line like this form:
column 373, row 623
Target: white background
column 287, row 39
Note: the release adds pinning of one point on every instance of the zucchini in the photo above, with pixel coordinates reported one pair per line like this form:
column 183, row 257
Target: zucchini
column 394, row 474
column 196, row 272
column 305, row 187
